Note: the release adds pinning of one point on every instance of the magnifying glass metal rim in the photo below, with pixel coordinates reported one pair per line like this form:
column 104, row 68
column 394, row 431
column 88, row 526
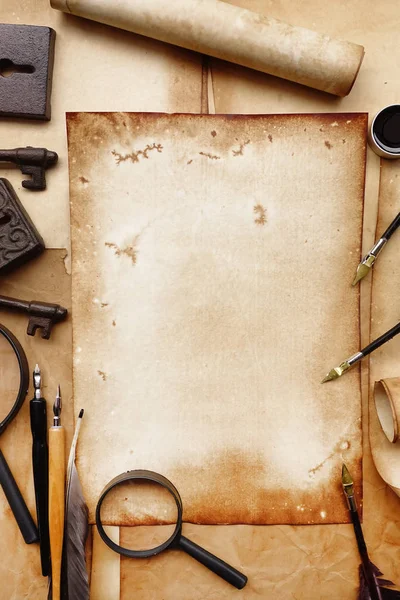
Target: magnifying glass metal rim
column 10, row 488
column 24, row 375
column 212, row 562
column 143, row 475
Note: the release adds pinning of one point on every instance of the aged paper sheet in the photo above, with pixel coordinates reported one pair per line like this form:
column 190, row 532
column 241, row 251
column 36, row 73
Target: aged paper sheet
column 209, row 256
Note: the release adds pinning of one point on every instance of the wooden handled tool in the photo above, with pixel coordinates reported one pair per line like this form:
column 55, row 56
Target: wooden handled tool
column 56, row 495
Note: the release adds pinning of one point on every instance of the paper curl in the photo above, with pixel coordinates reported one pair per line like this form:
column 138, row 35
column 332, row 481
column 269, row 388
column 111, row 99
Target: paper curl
column 233, row 34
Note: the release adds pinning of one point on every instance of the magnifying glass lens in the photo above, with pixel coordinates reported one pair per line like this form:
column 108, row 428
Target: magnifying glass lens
column 146, row 507
column 9, row 378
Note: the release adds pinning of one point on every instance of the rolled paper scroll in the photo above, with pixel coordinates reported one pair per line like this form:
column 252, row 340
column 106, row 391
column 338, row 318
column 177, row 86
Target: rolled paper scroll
column 387, row 404
column 233, row 34
column 385, row 429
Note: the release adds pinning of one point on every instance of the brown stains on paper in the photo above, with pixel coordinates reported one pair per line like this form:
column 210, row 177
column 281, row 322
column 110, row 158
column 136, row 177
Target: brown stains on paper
column 247, row 472
column 136, row 154
column 238, row 482
column 341, row 447
column 103, row 375
column 130, row 250
column 239, row 151
column 209, row 155
column 261, row 214
column 328, row 144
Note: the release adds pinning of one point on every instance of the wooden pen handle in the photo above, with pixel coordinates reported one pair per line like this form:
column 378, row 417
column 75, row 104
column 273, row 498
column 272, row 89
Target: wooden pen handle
column 56, row 504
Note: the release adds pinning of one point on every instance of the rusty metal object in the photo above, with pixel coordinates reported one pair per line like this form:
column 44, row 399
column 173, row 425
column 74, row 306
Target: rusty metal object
column 42, row 315
column 26, row 69
column 20, row 241
column 31, row 161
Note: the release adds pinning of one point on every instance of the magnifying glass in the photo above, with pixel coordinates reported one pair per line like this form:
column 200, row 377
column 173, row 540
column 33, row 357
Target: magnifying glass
column 159, row 506
column 14, row 381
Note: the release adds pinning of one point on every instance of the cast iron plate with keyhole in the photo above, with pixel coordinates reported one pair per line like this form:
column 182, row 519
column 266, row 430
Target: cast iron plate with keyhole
column 26, row 68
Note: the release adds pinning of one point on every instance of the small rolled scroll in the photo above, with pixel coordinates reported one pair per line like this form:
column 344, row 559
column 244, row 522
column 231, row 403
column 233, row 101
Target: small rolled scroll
column 387, row 404
column 384, row 430
column 233, row 34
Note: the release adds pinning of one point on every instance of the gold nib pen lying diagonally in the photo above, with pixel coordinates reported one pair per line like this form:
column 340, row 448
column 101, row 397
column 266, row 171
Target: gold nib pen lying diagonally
column 372, row 585
column 369, row 575
column 343, row 367
column 353, row 360
column 368, row 261
column 348, row 487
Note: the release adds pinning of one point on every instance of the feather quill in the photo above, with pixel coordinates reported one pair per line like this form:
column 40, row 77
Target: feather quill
column 74, row 577
column 386, row 593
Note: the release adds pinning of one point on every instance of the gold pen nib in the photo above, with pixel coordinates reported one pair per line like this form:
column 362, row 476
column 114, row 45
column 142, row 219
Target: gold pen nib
column 362, row 271
column 347, row 481
column 336, row 372
column 364, row 268
column 57, row 407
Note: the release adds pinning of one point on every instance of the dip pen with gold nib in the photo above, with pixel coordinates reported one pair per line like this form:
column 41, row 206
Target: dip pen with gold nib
column 40, row 462
column 369, row 260
column 56, row 496
column 371, row 585
column 353, row 360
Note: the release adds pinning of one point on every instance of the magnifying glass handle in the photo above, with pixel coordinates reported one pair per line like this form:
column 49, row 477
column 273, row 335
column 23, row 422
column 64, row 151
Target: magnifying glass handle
column 17, row 503
column 215, row 564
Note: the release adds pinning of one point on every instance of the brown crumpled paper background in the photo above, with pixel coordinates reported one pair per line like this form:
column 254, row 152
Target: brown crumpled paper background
column 100, row 68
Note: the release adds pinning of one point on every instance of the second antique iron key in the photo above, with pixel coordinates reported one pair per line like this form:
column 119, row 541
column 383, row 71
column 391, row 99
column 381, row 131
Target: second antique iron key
column 31, row 161
column 42, row 315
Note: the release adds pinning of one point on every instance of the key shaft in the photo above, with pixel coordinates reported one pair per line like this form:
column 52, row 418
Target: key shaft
column 42, row 315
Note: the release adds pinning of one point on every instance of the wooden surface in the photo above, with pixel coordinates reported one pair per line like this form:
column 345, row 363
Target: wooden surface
column 100, row 68
column 57, row 474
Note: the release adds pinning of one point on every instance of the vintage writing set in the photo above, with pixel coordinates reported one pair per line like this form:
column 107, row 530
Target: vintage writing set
column 199, row 359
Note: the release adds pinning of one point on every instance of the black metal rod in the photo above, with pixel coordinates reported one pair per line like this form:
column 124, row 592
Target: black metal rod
column 212, row 562
column 395, row 224
column 40, row 461
column 17, row 503
column 381, row 340
column 14, row 304
column 367, row 568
